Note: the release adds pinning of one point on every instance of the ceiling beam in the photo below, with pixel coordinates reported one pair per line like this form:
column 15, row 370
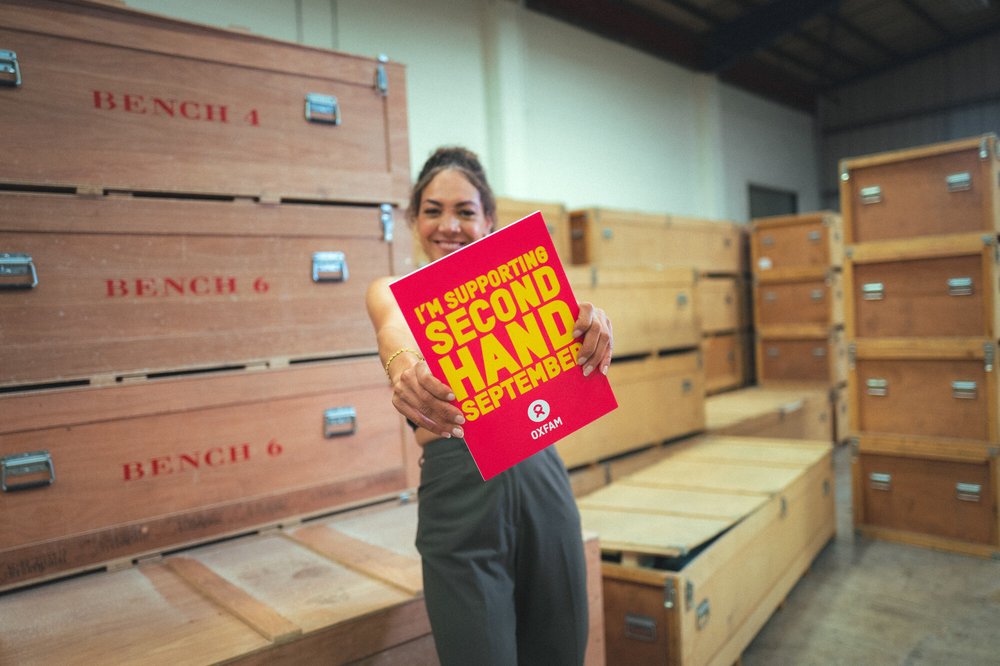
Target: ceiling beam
column 756, row 29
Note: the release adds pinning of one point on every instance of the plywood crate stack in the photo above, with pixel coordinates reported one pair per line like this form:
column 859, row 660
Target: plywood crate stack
column 702, row 546
column 713, row 248
column 189, row 218
column 510, row 210
column 921, row 278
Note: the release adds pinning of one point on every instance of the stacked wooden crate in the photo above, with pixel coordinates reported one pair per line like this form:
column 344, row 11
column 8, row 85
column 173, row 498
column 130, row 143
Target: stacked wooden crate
column 644, row 270
column 921, row 278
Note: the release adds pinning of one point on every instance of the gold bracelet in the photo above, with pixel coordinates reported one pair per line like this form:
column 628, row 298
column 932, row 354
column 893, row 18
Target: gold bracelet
column 397, row 353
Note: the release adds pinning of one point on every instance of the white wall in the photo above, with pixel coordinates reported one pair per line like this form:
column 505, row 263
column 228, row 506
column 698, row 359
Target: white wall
column 556, row 113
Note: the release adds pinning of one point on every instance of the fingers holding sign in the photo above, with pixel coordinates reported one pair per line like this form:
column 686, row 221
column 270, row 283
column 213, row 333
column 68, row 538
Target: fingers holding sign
column 598, row 341
column 425, row 400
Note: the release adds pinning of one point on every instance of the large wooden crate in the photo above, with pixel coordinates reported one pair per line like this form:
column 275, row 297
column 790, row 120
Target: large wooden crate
column 556, row 219
column 811, row 300
column 702, row 547
column 130, row 101
column 801, row 353
column 608, row 237
column 941, row 287
column 927, row 387
column 928, row 491
column 129, row 285
column 944, row 188
column 792, row 410
column 96, row 475
column 651, row 309
column 346, row 588
column 659, row 398
column 788, row 245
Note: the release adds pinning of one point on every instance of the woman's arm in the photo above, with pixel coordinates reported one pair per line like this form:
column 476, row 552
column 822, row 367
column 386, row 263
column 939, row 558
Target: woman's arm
column 598, row 340
column 416, row 393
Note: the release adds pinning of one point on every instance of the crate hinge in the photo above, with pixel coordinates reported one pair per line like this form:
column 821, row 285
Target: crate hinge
column 844, row 175
column 688, row 594
column 852, row 353
column 388, row 225
column 855, row 445
column 988, row 356
column 9, row 69
column 381, row 78
column 984, row 148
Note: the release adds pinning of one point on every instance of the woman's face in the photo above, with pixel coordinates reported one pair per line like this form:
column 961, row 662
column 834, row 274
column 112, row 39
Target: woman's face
column 450, row 215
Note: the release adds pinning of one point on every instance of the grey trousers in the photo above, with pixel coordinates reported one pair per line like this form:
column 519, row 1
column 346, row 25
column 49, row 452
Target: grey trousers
column 503, row 562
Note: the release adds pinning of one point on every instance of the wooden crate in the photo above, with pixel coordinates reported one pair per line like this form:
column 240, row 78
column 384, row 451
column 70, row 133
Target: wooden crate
column 101, row 474
column 931, row 492
column 722, row 304
column 810, row 300
column 944, row 188
column 805, row 353
column 139, row 102
column 727, row 360
column 790, row 410
column 942, row 287
column 928, row 387
column 608, row 237
column 789, row 245
column 709, row 540
column 556, row 219
column 651, row 309
column 659, row 398
column 129, row 285
column 342, row 589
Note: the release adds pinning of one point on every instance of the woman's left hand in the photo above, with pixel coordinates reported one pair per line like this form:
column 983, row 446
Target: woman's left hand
column 598, row 341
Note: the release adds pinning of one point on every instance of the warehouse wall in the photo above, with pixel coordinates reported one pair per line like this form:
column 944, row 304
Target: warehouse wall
column 558, row 114
column 948, row 96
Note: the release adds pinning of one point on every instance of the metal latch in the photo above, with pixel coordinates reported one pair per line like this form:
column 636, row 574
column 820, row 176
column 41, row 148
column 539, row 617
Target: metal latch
column 669, row 593
column 388, row 226
column 329, row 267
column 339, row 421
column 17, row 266
column 33, row 470
column 880, row 480
column 322, row 109
column 959, row 182
column 682, row 299
column 819, row 352
column 381, row 79
column 815, row 236
column 872, row 291
column 640, row 628
column 702, row 614
column 767, row 241
column 961, row 286
column 878, row 387
column 963, row 390
column 770, row 296
column 816, row 295
column 10, row 71
column 968, row 492
column 773, row 352
column 871, row 195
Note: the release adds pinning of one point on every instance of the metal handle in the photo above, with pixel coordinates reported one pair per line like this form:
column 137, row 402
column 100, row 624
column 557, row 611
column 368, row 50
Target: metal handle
column 819, row 352
column 877, row 387
column 388, row 225
column 968, row 492
column 871, row 195
column 322, row 109
column 872, row 291
column 381, row 79
column 960, row 286
column 36, row 465
column 770, row 296
column 959, row 182
column 816, row 295
column 880, row 480
column 640, row 628
column 963, row 390
column 339, row 421
column 17, row 266
column 682, row 299
column 767, row 241
column 10, row 71
column 329, row 267
column 773, row 352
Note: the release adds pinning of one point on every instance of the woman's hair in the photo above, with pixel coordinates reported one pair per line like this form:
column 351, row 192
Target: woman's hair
column 462, row 160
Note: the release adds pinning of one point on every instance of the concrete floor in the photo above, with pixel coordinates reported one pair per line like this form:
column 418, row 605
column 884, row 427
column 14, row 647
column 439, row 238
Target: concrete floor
column 875, row 602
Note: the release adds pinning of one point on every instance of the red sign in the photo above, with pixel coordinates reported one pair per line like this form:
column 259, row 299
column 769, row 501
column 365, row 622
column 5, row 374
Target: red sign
column 495, row 322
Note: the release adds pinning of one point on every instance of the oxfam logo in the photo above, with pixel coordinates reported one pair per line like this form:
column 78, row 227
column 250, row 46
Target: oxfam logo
column 538, row 411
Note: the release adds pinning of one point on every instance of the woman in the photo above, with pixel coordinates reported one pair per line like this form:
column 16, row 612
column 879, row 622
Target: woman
column 503, row 563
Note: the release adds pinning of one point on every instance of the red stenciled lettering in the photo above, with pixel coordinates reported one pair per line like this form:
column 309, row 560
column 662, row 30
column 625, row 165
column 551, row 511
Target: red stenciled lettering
column 239, row 452
column 117, row 288
column 104, row 100
column 172, row 285
column 252, row 118
column 166, row 106
column 160, row 465
column 225, row 285
column 191, row 115
column 133, row 470
column 200, row 285
column 215, row 457
column 134, row 103
column 145, row 287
